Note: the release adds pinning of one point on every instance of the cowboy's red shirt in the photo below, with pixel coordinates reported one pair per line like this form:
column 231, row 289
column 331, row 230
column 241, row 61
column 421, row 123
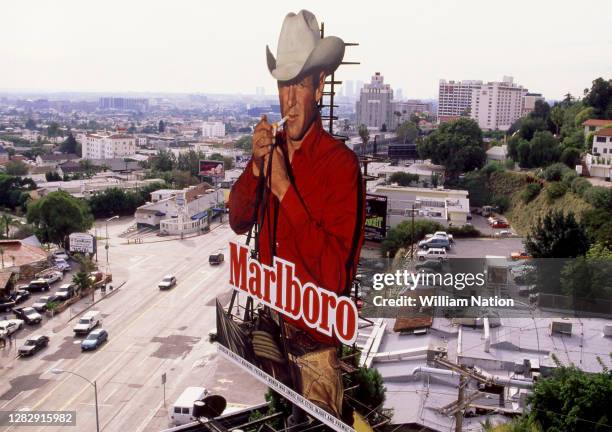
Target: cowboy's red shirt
column 317, row 217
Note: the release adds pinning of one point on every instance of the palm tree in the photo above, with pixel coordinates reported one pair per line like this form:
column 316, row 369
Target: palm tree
column 82, row 281
column 365, row 138
column 5, row 222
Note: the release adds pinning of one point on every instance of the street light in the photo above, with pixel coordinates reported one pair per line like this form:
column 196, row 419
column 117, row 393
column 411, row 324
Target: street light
column 106, row 246
column 93, row 383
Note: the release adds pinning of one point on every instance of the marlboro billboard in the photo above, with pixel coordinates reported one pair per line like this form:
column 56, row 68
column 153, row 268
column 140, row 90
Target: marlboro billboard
column 291, row 337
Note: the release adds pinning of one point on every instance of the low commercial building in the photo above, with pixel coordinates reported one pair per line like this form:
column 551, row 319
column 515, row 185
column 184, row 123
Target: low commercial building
column 23, row 258
column 88, row 187
column 446, row 206
column 108, row 146
column 497, row 153
column 184, row 211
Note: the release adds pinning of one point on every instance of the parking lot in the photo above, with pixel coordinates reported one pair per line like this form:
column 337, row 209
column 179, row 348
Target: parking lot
column 481, row 247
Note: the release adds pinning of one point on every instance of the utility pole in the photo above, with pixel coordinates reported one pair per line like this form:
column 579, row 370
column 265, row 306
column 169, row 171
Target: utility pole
column 459, row 413
column 412, row 235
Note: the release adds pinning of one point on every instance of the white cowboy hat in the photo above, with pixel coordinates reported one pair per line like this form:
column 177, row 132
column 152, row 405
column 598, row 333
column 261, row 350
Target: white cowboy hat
column 301, row 49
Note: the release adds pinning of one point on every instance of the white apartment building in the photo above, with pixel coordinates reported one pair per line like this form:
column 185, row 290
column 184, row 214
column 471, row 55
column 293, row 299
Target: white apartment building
column 374, row 104
column 455, row 98
column 599, row 160
column 212, row 129
column 108, row 146
column 496, row 105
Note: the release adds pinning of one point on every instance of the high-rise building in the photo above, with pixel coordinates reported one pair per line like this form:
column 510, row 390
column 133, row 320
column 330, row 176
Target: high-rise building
column 212, row 129
column 496, row 105
column 349, row 90
column 399, row 95
column 455, row 98
column 124, row 104
column 374, row 104
column 358, row 88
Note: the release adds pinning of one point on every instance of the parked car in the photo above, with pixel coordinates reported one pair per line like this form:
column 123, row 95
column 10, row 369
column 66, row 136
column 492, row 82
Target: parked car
column 429, row 266
column 61, row 255
column 435, row 242
column 53, row 277
column 432, row 254
column 41, row 303
column 6, row 303
column 500, row 224
column 62, row 265
column 167, row 282
column 64, row 292
column 8, row 327
column 441, row 234
column 94, row 339
column 519, row 256
column 33, row 344
column 28, row 314
column 504, row 233
column 216, row 258
column 87, row 322
column 38, row 285
column 19, row 296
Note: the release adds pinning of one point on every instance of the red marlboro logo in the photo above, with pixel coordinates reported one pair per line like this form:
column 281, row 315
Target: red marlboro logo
column 277, row 287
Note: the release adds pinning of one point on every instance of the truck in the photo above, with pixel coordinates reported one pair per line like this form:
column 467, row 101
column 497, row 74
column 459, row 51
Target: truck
column 182, row 410
column 87, row 322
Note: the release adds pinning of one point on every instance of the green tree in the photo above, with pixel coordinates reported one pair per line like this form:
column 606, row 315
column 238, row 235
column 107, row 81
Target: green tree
column 164, row 161
column 402, row 235
column 571, row 400
column 6, row 221
column 457, row 145
column 190, row 161
column 52, row 176
column 82, row 280
column 557, row 236
column 69, row 145
column 30, row 124
column 245, row 143
column 53, row 130
column 556, row 117
column 364, row 134
column 161, row 127
column 16, row 168
column 407, row 132
column 600, row 98
column 403, row 179
column 57, row 215
column 228, row 163
column 570, row 157
column 531, row 125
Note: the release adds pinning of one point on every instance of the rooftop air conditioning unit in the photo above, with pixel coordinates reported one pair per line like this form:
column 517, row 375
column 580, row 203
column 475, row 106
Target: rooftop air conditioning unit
column 607, row 330
column 563, row 327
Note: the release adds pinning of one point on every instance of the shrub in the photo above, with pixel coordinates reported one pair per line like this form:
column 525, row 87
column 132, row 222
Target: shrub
column 502, row 202
column 599, row 197
column 555, row 190
column 570, row 157
column 463, row 231
column 531, row 191
column 568, row 177
column 580, row 185
column 554, row 172
column 400, row 235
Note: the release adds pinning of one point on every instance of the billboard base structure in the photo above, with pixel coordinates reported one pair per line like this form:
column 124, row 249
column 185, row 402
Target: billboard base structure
column 292, row 396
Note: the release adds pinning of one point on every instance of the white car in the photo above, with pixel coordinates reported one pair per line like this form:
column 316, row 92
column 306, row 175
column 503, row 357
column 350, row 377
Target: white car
column 504, row 233
column 9, row 327
column 167, row 282
column 60, row 254
column 41, row 303
column 432, row 254
column 53, row 277
column 441, row 234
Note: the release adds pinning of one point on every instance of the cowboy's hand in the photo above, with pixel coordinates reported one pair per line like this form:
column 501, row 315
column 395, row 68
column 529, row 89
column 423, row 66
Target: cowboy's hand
column 280, row 179
column 262, row 143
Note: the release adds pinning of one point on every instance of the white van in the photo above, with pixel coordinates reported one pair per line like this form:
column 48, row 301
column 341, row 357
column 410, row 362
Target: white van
column 87, row 322
column 180, row 412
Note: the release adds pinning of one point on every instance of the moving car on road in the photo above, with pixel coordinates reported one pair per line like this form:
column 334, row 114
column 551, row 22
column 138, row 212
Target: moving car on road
column 500, row 224
column 167, row 282
column 8, row 327
column 87, row 322
column 216, row 258
column 28, row 314
column 33, row 344
column 94, row 339
column 180, row 413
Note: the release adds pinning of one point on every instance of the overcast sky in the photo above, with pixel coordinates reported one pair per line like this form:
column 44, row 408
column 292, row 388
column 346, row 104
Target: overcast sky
column 550, row 47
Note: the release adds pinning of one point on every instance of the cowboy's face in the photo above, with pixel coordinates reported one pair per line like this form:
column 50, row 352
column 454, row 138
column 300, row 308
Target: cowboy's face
column 298, row 100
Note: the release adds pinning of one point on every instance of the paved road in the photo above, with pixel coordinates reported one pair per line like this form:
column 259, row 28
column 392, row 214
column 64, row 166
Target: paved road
column 150, row 333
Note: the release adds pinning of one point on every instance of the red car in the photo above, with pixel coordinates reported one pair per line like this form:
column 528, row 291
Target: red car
column 500, row 224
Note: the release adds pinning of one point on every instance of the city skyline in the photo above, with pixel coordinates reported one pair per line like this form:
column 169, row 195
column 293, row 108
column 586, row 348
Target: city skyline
column 123, row 48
